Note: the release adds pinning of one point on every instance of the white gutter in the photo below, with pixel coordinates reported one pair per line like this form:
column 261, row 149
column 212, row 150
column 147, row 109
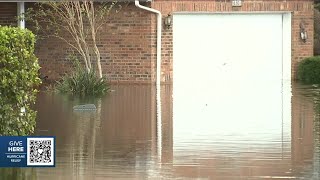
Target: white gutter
column 158, row 75
column 20, row 14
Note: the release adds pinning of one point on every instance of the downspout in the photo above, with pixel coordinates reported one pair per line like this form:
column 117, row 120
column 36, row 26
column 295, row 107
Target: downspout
column 158, row 75
column 20, row 13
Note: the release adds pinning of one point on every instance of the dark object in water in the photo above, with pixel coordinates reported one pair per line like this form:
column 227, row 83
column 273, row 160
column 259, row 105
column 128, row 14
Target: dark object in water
column 85, row 107
column 43, row 78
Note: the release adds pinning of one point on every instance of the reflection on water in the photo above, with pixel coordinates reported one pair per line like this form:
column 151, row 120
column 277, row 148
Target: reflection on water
column 278, row 139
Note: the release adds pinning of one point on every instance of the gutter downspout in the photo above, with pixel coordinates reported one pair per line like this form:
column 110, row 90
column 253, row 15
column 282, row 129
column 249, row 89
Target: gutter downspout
column 20, row 14
column 158, row 97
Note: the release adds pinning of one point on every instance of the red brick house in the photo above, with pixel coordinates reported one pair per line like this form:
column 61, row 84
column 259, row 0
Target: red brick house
column 203, row 29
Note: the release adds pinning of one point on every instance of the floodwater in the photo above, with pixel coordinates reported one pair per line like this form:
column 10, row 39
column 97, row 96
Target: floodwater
column 265, row 135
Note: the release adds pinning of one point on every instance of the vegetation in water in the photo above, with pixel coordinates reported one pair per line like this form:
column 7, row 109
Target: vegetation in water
column 18, row 81
column 309, row 70
column 83, row 83
column 18, row 173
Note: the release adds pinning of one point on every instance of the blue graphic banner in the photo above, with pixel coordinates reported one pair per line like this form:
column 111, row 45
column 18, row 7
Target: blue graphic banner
column 27, row 151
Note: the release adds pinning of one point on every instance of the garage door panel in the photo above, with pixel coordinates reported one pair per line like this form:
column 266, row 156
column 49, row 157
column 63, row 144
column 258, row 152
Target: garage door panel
column 221, row 44
column 216, row 57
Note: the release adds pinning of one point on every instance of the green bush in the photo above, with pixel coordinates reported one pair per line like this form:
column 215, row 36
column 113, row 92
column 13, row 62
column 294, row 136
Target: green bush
column 83, row 83
column 309, row 70
column 18, row 79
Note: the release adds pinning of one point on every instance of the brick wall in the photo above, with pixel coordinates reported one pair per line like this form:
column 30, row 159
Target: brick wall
column 126, row 45
column 8, row 13
column 301, row 11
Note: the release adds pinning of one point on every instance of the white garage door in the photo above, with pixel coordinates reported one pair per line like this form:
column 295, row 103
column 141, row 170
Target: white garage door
column 242, row 46
column 229, row 74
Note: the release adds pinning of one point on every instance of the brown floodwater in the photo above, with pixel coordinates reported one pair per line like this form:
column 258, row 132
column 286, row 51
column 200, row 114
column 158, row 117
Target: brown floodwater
column 242, row 139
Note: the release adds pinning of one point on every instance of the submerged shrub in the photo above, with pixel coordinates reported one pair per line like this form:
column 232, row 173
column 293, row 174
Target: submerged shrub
column 309, row 70
column 83, row 83
column 18, row 79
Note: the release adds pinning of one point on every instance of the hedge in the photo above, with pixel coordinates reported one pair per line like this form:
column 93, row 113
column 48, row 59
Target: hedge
column 309, row 70
column 18, row 79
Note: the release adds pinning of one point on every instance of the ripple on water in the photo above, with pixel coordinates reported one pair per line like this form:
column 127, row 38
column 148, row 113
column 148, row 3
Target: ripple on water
column 251, row 139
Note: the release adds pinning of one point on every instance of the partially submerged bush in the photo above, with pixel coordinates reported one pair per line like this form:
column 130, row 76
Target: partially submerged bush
column 309, row 70
column 83, row 83
column 18, row 79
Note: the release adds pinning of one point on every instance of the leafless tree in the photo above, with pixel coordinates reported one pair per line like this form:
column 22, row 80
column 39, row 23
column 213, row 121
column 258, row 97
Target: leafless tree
column 77, row 23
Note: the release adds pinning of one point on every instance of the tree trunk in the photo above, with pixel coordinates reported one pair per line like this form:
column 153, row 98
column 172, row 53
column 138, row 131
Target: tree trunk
column 97, row 52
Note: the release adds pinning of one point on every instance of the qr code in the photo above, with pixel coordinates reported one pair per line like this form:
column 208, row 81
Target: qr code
column 40, row 151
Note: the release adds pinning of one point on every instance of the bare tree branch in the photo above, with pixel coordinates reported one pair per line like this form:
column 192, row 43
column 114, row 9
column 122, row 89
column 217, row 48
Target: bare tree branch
column 81, row 20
